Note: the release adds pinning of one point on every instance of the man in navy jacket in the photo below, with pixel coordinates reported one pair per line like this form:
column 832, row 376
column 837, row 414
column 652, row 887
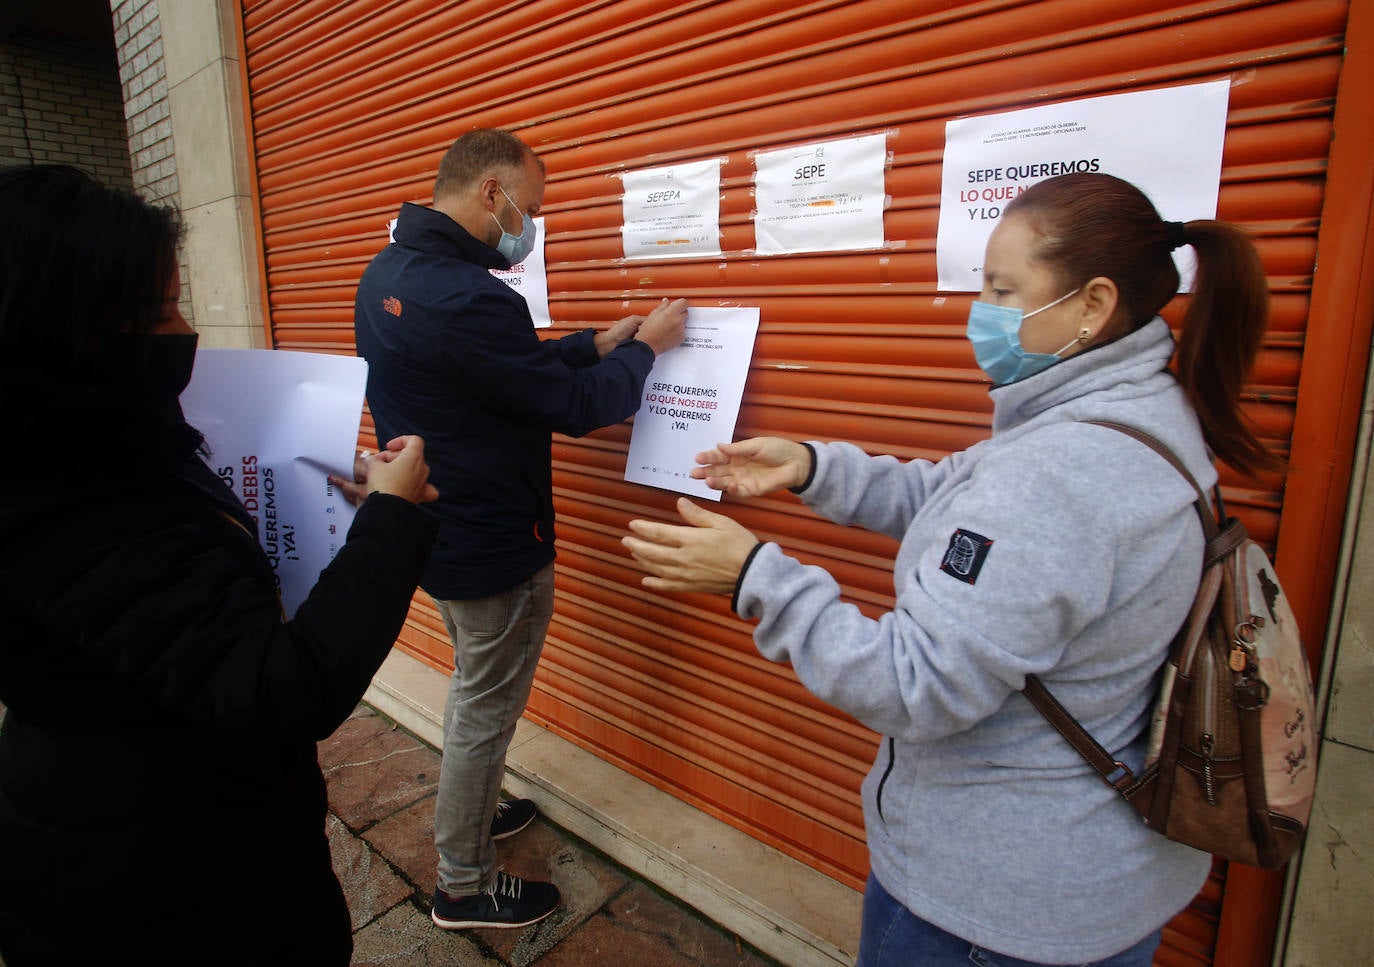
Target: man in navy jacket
column 453, row 356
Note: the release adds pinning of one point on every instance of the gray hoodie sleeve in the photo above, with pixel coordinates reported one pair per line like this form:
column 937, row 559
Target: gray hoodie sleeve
column 880, row 494
column 952, row 649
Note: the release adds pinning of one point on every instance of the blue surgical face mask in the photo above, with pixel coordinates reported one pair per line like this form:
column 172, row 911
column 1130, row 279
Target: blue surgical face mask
column 516, row 248
column 995, row 332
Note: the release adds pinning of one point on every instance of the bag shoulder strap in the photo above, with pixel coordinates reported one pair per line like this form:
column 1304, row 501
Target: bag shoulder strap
column 1204, row 507
column 1114, row 772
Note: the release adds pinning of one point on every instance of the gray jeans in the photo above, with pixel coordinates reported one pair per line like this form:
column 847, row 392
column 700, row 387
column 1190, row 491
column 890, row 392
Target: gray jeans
column 496, row 645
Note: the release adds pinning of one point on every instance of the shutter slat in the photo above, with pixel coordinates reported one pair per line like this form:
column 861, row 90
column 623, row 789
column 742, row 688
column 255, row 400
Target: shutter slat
column 354, row 103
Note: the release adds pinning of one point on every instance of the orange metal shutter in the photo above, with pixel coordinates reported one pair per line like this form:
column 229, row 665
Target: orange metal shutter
column 353, row 103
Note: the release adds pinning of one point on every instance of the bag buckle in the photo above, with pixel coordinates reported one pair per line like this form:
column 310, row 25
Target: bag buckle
column 1120, row 777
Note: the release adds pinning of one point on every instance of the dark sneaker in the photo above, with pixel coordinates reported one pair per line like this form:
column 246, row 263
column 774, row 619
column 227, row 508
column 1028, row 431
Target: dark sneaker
column 512, row 815
column 508, row 902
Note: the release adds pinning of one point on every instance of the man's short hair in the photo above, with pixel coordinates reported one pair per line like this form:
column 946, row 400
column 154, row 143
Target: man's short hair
column 475, row 154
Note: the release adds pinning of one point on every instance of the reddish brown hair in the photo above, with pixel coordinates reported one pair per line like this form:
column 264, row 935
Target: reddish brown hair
column 1092, row 225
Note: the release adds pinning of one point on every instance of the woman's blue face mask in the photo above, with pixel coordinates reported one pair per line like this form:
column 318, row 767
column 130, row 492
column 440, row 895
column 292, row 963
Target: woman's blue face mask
column 995, row 332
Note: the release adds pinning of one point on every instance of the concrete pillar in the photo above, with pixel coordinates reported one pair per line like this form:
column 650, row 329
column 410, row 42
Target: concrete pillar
column 185, row 104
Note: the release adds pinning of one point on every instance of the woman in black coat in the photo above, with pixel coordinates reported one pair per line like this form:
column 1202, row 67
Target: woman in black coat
column 160, row 798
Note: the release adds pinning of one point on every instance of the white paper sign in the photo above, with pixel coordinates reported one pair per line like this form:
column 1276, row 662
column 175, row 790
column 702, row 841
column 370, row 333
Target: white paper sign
column 691, row 400
column 530, row 279
column 1167, row 143
column 821, row 197
column 276, row 424
column 671, row 211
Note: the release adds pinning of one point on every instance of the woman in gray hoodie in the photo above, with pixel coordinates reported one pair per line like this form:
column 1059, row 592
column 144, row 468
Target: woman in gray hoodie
column 1055, row 547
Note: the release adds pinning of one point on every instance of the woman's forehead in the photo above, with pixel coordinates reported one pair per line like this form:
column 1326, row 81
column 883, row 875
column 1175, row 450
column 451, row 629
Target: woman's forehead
column 1010, row 248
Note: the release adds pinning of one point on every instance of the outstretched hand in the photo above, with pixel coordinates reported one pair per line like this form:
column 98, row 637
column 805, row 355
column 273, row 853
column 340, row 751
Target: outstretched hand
column 754, row 467
column 400, row 470
column 706, row 553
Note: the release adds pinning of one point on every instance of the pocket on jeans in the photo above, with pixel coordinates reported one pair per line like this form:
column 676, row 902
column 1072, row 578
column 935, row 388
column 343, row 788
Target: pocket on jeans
column 484, row 617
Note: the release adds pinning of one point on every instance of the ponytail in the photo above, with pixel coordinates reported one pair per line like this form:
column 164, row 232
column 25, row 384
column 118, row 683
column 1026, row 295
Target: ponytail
column 1095, row 224
column 1222, row 331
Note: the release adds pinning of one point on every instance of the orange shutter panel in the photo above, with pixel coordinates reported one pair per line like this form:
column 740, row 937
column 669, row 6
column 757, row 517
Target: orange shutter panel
column 353, row 103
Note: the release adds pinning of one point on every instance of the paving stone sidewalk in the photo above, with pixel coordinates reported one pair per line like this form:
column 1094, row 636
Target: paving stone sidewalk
column 382, row 781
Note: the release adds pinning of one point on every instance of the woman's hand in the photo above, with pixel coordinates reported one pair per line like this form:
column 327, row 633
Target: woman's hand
column 752, row 468
column 706, row 554
column 354, row 490
column 399, row 470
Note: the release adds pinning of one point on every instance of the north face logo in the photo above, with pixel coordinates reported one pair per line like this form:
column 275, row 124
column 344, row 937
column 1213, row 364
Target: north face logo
column 392, row 305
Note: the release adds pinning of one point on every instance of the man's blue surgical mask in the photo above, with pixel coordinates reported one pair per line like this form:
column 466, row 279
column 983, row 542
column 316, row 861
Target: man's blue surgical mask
column 516, row 248
column 995, row 332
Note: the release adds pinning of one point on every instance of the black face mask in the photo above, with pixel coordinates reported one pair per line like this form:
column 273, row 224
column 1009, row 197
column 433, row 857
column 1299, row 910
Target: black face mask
column 155, row 367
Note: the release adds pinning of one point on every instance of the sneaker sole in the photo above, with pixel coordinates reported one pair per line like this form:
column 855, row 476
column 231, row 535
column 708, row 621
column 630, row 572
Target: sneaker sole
column 443, row 924
column 511, row 832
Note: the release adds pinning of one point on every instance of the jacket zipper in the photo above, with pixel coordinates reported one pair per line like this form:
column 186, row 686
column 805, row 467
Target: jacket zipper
column 1207, row 740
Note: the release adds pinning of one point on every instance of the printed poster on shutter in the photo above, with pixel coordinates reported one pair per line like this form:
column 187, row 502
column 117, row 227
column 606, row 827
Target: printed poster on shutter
column 276, row 424
column 671, row 212
column 821, row 197
column 691, row 400
column 1165, row 142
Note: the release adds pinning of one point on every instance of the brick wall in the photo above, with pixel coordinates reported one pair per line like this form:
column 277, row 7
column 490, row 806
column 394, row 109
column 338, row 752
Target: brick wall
column 138, row 47
column 63, row 104
column 143, row 76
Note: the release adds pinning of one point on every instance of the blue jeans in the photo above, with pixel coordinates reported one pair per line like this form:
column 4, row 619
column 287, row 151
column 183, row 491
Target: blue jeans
column 893, row 936
column 497, row 641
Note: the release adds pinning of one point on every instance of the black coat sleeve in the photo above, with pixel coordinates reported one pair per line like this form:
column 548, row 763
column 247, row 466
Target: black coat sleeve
column 493, row 345
column 162, row 599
